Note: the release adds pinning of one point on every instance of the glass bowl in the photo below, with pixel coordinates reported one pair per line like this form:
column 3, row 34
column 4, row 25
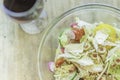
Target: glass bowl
column 90, row 13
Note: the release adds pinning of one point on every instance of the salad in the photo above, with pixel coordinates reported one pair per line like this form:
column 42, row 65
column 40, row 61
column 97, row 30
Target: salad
column 87, row 52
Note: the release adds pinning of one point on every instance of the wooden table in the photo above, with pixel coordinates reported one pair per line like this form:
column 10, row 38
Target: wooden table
column 18, row 50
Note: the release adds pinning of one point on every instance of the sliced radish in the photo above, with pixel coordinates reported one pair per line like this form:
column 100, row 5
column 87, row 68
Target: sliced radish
column 51, row 66
column 74, row 25
column 62, row 49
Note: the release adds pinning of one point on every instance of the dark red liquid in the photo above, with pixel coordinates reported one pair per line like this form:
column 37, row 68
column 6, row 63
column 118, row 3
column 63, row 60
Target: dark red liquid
column 19, row 5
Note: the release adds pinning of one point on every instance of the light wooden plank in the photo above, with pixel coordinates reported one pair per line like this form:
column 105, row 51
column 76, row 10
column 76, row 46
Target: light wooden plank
column 18, row 50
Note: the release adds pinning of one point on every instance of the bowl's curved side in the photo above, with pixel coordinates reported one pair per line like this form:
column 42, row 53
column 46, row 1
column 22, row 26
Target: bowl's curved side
column 62, row 18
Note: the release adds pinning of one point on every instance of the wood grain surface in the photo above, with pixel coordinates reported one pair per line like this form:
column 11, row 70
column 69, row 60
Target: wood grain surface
column 18, row 50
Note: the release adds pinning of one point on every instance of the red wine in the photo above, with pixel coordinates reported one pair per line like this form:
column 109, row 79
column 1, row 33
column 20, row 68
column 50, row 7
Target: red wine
column 19, row 5
column 23, row 10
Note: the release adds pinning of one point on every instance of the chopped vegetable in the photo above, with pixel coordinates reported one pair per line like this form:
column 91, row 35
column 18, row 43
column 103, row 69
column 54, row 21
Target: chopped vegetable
column 63, row 72
column 59, row 62
column 79, row 32
column 117, row 61
column 74, row 48
column 97, row 68
column 51, row 66
column 85, row 61
column 87, row 52
column 72, row 76
column 107, row 29
column 82, row 23
column 70, row 35
column 95, row 44
column 94, row 55
column 63, row 39
column 66, row 55
column 102, row 50
column 74, row 25
column 87, row 46
column 100, row 37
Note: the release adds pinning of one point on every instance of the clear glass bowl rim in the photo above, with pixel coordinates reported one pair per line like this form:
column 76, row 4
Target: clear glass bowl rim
column 56, row 20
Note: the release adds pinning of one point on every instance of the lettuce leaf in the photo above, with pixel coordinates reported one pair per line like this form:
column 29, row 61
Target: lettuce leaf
column 114, row 69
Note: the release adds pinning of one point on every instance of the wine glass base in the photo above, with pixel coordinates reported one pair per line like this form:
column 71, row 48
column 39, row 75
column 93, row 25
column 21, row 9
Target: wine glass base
column 30, row 28
column 35, row 26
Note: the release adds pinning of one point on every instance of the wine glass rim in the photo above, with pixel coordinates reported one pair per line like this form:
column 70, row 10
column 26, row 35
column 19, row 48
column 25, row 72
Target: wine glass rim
column 56, row 20
column 21, row 14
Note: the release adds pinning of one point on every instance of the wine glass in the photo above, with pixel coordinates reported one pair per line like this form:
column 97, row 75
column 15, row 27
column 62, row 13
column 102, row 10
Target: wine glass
column 29, row 14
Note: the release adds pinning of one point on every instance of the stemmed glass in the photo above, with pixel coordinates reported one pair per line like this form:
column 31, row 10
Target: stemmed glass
column 29, row 14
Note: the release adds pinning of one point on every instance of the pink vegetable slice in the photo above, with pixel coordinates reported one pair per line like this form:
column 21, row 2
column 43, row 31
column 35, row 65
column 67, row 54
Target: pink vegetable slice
column 51, row 66
column 74, row 25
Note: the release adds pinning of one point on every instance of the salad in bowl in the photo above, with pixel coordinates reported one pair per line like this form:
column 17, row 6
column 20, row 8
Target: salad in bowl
column 87, row 52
